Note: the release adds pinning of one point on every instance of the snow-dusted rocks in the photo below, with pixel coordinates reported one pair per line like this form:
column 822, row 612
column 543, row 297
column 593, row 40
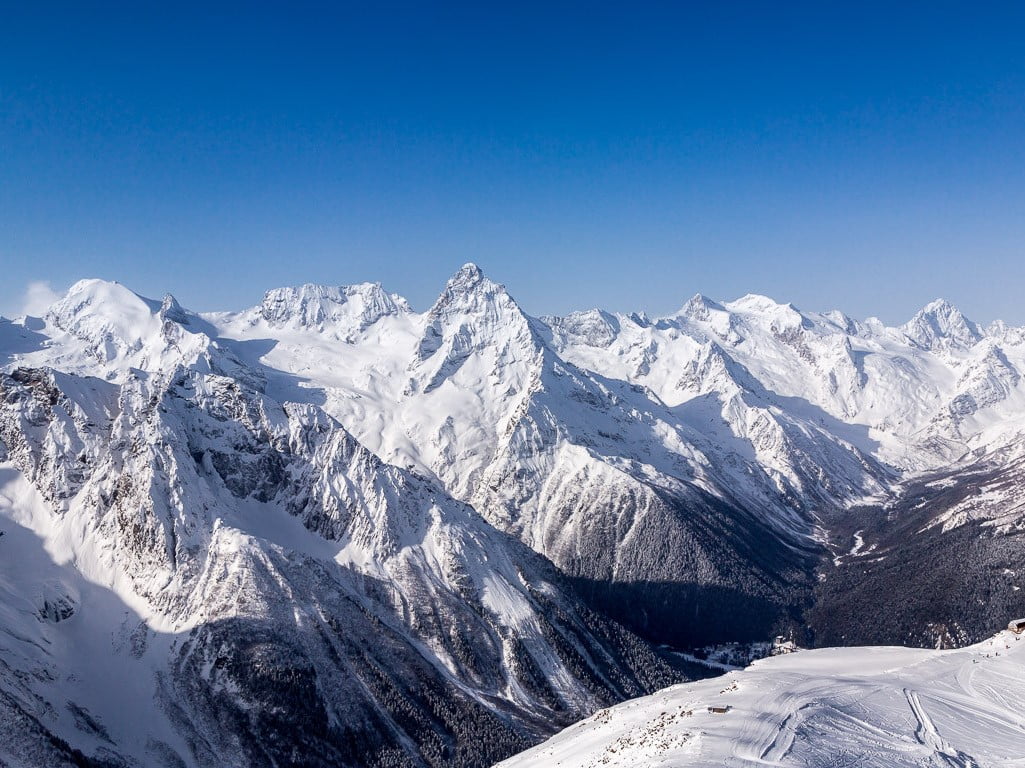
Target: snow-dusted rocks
column 941, row 325
column 343, row 311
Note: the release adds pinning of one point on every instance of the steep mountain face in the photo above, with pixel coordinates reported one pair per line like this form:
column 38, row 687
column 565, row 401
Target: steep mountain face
column 275, row 593
column 925, row 534
column 940, row 325
column 686, row 471
column 332, row 530
column 599, row 475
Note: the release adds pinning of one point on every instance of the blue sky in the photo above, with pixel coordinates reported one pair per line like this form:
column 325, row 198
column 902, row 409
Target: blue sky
column 620, row 155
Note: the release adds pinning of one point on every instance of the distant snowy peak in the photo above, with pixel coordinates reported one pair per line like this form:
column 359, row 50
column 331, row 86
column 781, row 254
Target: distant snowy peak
column 100, row 306
column 115, row 324
column 345, row 308
column 470, row 290
column 1006, row 334
column 593, row 327
column 756, row 303
column 473, row 313
column 732, row 320
column 700, row 307
column 941, row 324
column 782, row 319
column 846, row 324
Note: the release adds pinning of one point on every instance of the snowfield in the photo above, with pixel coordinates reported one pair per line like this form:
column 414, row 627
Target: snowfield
column 870, row 707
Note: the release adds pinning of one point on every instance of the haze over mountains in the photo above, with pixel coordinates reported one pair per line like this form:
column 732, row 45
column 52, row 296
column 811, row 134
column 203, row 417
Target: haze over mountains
column 332, row 530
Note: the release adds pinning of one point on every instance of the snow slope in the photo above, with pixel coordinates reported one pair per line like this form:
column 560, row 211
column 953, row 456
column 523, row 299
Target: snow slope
column 878, row 707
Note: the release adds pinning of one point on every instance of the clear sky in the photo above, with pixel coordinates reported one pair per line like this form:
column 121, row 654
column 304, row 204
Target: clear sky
column 868, row 157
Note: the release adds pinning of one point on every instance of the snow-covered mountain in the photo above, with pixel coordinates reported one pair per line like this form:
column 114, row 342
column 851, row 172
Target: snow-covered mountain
column 195, row 573
column 330, row 529
column 686, row 471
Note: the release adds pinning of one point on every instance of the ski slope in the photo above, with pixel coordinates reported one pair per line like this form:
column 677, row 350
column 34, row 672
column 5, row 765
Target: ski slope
column 869, row 706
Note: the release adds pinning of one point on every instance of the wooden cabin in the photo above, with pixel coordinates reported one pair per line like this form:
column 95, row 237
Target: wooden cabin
column 781, row 645
column 720, row 710
column 1017, row 626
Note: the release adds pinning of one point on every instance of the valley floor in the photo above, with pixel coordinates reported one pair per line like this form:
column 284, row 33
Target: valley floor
column 827, row 708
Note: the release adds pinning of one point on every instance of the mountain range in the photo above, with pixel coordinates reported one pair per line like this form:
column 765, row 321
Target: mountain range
column 333, row 530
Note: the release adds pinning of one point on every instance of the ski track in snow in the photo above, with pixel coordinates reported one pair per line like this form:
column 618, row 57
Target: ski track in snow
column 927, row 734
column 831, row 708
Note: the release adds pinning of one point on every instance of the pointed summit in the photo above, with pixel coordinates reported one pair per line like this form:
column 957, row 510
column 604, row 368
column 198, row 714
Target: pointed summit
column 473, row 314
column 470, row 279
column 468, row 274
column 940, row 323
column 940, row 307
column 699, row 306
column 470, row 290
column 170, row 309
